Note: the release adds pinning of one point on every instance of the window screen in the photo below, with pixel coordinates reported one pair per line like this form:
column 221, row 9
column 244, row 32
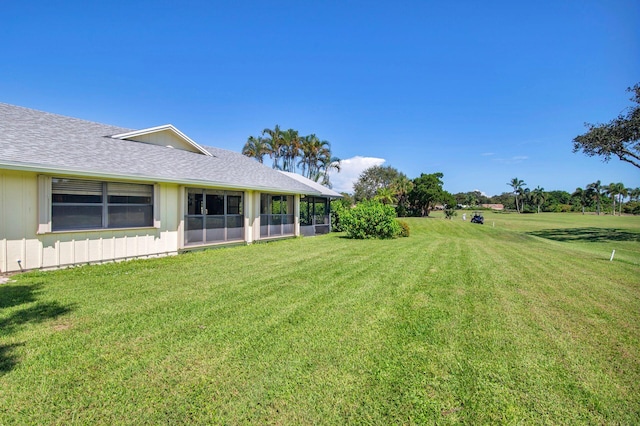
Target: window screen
column 86, row 204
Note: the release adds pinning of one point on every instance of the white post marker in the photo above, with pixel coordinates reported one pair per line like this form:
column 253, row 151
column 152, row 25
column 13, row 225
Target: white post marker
column 612, row 253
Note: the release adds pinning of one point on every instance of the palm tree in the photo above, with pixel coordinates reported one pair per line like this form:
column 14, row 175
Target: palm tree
column 538, row 197
column 307, row 149
column 320, row 159
column 582, row 195
column 255, row 148
column 314, row 155
column 612, row 191
column 385, row 195
column 275, row 145
column 401, row 186
column 634, row 194
column 624, row 192
column 286, row 147
column 596, row 193
column 525, row 197
column 291, row 144
column 329, row 163
column 517, row 185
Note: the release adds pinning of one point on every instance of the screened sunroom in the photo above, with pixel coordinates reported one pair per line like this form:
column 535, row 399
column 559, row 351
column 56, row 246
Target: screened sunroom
column 314, row 215
column 277, row 217
column 213, row 216
column 315, row 207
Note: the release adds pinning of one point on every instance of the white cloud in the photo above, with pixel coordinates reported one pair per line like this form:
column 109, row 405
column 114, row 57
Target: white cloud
column 484, row 194
column 350, row 170
column 513, row 160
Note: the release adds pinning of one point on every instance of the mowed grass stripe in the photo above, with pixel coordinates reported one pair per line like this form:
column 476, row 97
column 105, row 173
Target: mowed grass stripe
column 458, row 323
column 557, row 291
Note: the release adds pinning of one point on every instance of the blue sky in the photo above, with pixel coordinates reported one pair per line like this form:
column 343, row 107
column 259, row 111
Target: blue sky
column 480, row 91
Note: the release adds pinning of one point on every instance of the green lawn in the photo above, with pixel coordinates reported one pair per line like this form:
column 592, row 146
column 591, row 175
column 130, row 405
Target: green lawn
column 521, row 320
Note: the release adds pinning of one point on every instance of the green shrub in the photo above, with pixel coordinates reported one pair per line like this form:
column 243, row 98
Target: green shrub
column 370, row 219
column 404, row 228
column 337, row 210
column 632, row 207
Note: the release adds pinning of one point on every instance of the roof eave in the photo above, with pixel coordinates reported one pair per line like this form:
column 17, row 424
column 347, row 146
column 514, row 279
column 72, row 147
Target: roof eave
column 38, row 168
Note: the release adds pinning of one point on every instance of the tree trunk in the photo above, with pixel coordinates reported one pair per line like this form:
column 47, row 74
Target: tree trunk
column 620, row 205
column 614, row 205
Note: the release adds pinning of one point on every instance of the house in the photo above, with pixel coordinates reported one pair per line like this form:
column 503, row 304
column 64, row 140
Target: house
column 76, row 192
column 498, row 207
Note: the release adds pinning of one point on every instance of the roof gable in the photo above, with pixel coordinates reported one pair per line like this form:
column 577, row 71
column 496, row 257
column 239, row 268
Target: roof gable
column 167, row 136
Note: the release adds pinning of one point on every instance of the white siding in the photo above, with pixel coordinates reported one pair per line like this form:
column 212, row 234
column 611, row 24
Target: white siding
column 19, row 222
column 3, row 238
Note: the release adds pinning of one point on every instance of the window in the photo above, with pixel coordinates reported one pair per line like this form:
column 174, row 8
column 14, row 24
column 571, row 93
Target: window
column 87, row 204
column 213, row 216
column 276, row 215
column 314, row 211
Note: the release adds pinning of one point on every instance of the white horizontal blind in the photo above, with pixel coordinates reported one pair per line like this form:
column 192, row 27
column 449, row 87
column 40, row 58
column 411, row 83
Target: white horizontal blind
column 129, row 189
column 76, row 186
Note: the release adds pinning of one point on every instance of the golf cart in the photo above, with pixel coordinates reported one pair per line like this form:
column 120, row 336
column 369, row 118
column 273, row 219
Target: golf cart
column 477, row 218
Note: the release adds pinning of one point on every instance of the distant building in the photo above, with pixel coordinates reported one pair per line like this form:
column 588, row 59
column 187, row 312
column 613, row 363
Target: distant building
column 493, row 206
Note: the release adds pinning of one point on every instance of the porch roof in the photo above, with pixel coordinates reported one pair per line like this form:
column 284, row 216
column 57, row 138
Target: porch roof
column 314, row 186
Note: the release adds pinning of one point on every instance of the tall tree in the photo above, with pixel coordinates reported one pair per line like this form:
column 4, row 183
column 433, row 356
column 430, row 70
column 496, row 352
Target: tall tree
column 401, row 187
column 292, row 153
column 328, row 164
column 427, row 190
column 525, row 197
column 583, row 197
column 291, row 145
column 613, row 190
column 623, row 193
column 596, row 193
column 538, row 197
column 309, row 148
column 255, row 148
column 517, row 185
column 275, row 143
column 385, row 195
column 556, row 200
column 619, row 137
column 372, row 179
column 316, row 157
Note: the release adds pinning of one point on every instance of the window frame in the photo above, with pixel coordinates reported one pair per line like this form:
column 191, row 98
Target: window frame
column 279, row 224
column 198, row 211
column 48, row 218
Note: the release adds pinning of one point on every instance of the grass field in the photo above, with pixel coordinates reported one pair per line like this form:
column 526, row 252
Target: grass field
column 521, row 320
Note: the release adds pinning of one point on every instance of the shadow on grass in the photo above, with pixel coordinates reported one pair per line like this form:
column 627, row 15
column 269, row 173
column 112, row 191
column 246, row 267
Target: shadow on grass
column 593, row 235
column 7, row 359
column 12, row 296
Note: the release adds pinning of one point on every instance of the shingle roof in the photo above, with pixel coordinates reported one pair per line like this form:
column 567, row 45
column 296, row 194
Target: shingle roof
column 323, row 190
column 41, row 141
